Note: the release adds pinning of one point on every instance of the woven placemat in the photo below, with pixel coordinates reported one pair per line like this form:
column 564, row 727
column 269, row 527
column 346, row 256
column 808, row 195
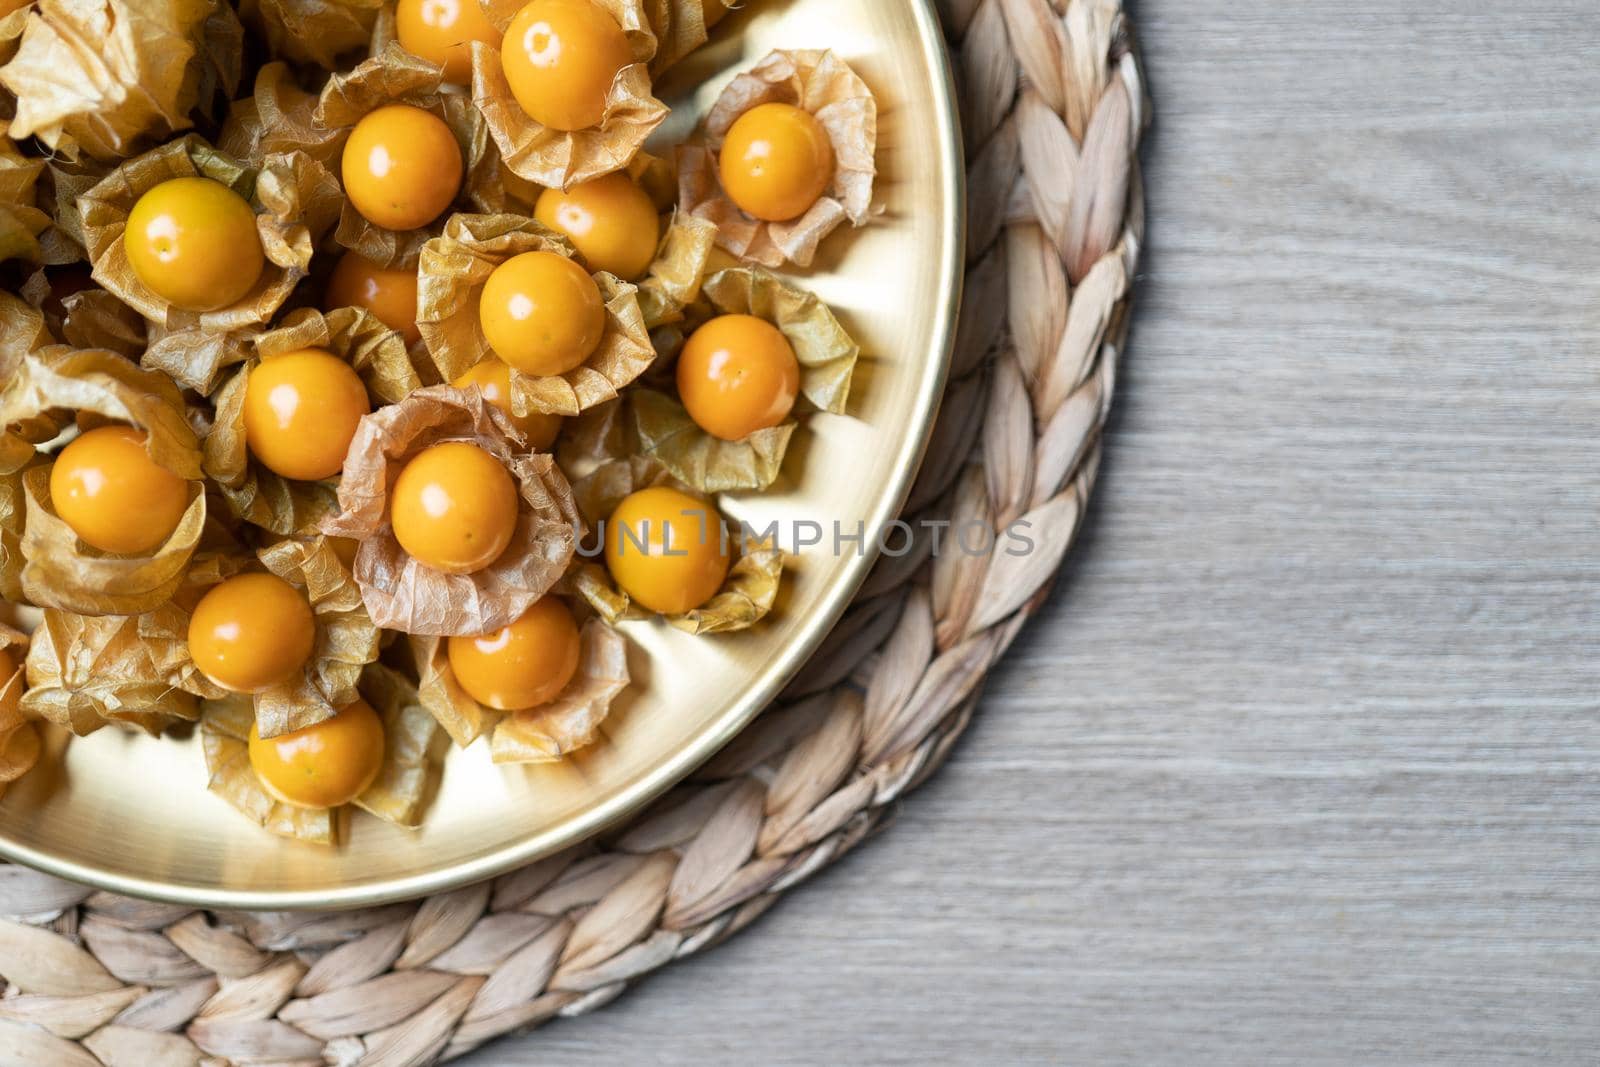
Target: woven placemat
column 1053, row 105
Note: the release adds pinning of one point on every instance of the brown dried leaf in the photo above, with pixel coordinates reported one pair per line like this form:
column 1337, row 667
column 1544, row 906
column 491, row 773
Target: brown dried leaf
column 102, row 76
column 572, row 720
column 558, row 158
column 295, row 197
column 450, row 279
column 400, row 592
column 824, row 85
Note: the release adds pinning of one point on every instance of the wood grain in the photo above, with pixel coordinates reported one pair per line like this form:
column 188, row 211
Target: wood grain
column 1302, row 763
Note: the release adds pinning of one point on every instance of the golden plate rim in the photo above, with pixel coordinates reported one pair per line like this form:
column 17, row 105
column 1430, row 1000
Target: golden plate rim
column 808, row 634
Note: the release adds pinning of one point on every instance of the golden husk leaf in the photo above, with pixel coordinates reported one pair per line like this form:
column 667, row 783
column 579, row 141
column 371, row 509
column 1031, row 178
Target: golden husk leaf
column 404, row 594
column 193, row 356
column 22, row 331
column 21, row 221
column 86, row 671
column 63, row 241
column 673, row 281
column 826, row 353
column 312, row 31
column 827, row 357
column 703, row 462
column 11, row 27
column 225, row 738
column 450, row 279
column 13, row 512
column 681, row 26
column 572, row 720
column 413, row 749
column 276, row 117
column 346, row 638
column 746, row 596
column 60, row 570
column 19, row 741
column 257, row 495
column 395, row 76
column 92, row 318
column 553, row 729
column 296, row 200
column 559, row 158
column 406, row 778
column 103, row 76
column 824, row 85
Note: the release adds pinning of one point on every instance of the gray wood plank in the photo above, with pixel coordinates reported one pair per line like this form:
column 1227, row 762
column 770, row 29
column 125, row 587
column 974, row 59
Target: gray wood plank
column 1302, row 762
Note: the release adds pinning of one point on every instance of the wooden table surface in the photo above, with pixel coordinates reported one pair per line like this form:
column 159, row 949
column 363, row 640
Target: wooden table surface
column 1302, row 762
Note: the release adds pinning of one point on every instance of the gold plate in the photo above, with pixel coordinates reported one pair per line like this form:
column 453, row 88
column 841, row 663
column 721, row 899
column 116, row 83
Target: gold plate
column 131, row 813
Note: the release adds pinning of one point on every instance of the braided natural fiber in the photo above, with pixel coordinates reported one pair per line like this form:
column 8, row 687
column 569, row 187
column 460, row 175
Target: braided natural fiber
column 1053, row 106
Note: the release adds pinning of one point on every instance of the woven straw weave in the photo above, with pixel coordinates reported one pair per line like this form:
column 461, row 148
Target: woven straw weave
column 1053, row 106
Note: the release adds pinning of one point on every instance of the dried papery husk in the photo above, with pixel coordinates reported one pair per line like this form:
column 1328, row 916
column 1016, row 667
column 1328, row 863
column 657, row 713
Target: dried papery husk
column 450, row 279
column 220, row 65
column 194, row 357
column 746, row 596
column 23, row 331
column 824, row 85
column 395, row 76
column 21, row 220
column 681, row 26
column 13, row 514
column 89, row 671
column 673, row 280
column 102, row 387
column 554, row 729
column 225, row 739
column 558, row 159
column 90, row 318
column 825, row 350
column 706, row 463
column 406, row 778
column 346, row 639
column 572, row 720
column 68, row 180
column 19, row 741
column 296, row 199
column 103, row 77
column 11, row 27
column 413, row 749
column 404, row 594
column 257, row 495
column 277, row 117
column 599, row 435
column 312, row 31
column 827, row 356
